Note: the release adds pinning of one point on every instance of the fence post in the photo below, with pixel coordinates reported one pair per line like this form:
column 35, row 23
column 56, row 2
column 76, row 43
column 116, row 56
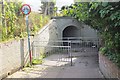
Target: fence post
column 22, row 52
column 32, row 49
column 98, row 44
column 70, row 53
column 68, row 44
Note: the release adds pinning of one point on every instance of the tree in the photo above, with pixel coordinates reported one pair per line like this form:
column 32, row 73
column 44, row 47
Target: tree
column 78, row 11
column 47, row 8
column 105, row 18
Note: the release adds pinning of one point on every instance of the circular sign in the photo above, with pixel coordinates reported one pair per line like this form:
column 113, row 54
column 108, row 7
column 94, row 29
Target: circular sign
column 26, row 9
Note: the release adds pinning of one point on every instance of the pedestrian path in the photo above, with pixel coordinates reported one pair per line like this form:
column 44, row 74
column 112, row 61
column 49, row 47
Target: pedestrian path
column 84, row 66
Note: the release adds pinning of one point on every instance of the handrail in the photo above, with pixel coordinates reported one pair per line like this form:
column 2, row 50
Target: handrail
column 54, row 41
column 45, row 27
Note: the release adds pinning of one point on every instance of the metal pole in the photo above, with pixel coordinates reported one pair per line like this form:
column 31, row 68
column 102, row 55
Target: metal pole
column 68, row 45
column 71, row 54
column 27, row 24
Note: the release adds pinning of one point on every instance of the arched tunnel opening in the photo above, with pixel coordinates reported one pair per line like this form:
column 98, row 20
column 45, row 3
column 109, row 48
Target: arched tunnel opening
column 69, row 33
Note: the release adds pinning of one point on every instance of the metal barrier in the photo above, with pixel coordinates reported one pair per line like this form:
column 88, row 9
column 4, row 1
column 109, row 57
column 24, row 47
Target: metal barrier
column 54, row 51
column 83, row 44
column 65, row 50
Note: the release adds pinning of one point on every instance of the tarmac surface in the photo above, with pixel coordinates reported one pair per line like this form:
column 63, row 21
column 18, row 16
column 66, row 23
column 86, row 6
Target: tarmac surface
column 84, row 65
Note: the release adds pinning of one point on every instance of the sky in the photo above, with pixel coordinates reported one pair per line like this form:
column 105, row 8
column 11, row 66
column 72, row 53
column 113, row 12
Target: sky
column 35, row 4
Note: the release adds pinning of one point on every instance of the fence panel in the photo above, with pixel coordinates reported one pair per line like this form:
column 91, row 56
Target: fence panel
column 84, row 45
column 65, row 50
column 54, row 52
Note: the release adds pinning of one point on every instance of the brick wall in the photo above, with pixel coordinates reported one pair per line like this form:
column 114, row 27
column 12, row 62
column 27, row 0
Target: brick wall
column 13, row 56
column 109, row 69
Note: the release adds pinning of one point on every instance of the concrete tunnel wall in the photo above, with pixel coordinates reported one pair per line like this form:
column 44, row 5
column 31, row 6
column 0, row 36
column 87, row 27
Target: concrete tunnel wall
column 59, row 26
column 71, row 31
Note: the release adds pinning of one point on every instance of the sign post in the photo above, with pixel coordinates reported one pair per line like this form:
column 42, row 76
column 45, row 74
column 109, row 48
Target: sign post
column 26, row 9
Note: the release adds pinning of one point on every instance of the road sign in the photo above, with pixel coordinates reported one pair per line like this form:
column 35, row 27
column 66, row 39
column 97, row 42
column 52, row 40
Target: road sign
column 26, row 9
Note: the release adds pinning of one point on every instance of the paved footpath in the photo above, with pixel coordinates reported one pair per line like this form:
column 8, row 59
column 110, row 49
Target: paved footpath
column 84, row 66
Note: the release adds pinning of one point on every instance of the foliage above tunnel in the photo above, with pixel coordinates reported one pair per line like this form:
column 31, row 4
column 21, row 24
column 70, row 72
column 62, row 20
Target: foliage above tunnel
column 13, row 25
column 105, row 18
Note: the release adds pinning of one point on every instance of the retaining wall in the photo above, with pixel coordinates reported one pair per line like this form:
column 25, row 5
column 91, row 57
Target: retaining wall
column 108, row 68
column 13, row 56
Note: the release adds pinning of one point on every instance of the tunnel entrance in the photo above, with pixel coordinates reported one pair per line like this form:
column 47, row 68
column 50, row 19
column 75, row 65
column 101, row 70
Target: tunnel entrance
column 70, row 31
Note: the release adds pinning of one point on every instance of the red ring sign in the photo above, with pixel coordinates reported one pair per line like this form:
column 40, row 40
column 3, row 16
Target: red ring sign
column 26, row 9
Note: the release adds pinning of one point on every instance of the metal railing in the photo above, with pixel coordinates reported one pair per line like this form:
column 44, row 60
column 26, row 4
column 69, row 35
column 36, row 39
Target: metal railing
column 53, row 50
column 64, row 50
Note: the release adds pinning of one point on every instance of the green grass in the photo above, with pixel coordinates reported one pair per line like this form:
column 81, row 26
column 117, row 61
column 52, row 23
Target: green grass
column 37, row 61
